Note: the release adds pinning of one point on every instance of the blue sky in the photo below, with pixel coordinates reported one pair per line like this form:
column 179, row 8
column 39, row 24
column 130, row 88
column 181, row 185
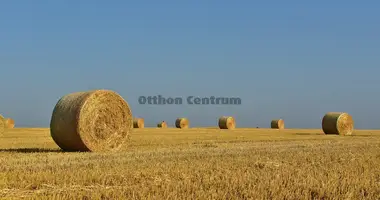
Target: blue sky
column 294, row 60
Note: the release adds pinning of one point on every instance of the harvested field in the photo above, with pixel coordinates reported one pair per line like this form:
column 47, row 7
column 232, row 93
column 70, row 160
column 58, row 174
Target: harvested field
column 197, row 163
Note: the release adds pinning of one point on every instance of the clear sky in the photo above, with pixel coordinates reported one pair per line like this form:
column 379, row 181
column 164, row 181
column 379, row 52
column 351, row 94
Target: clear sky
column 294, row 60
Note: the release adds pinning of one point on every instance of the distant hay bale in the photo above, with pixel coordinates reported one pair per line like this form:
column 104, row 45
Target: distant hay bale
column 277, row 124
column 338, row 123
column 226, row 122
column 138, row 123
column 96, row 120
column 182, row 123
column 9, row 123
column 2, row 125
column 162, row 125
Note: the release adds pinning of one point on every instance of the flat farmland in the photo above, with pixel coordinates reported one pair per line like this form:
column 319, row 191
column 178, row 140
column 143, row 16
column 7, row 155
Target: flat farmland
column 195, row 163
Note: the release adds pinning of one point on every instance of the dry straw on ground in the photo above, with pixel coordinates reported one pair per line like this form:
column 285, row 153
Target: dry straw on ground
column 9, row 123
column 138, row 123
column 277, row 124
column 97, row 120
column 338, row 123
column 162, row 125
column 226, row 122
column 2, row 125
column 182, row 123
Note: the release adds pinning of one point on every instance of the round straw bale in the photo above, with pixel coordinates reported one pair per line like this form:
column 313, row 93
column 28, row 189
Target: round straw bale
column 162, row 125
column 138, row 123
column 2, row 125
column 226, row 122
column 96, row 120
column 338, row 123
column 277, row 124
column 182, row 123
column 9, row 123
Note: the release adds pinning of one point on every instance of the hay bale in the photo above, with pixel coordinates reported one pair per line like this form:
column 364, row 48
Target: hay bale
column 9, row 123
column 277, row 124
column 2, row 125
column 96, row 120
column 182, row 123
column 162, row 125
column 138, row 123
column 338, row 123
column 226, row 122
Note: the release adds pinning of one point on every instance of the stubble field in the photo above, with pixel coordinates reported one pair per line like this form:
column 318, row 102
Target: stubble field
column 197, row 163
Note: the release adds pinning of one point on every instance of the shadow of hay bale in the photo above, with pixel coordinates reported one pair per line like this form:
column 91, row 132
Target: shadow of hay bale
column 31, row 150
column 309, row 134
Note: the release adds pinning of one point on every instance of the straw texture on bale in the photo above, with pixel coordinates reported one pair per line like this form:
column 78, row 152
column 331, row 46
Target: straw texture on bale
column 2, row 125
column 226, row 122
column 9, row 123
column 182, row 123
column 96, row 120
column 277, row 124
column 138, row 123
column 338, row 123
column 162, row 125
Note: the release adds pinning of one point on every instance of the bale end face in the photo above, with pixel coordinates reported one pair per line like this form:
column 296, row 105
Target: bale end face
column 182, row 123
column 97, row 120
column 226, row 122
column 277, row 124
column 338, row 123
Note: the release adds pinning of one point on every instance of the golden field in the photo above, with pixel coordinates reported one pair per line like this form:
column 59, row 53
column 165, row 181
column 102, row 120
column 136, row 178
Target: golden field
column 195, row 163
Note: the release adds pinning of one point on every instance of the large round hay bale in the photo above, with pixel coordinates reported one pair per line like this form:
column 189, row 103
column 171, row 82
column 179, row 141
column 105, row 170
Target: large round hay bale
column 277, row 124
column 162, row 124
column 2, row 125
column 138, row 123
column 338, row 123
column 226, row 122
column 97, row 120
column 182, row 123
column 9, row 123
